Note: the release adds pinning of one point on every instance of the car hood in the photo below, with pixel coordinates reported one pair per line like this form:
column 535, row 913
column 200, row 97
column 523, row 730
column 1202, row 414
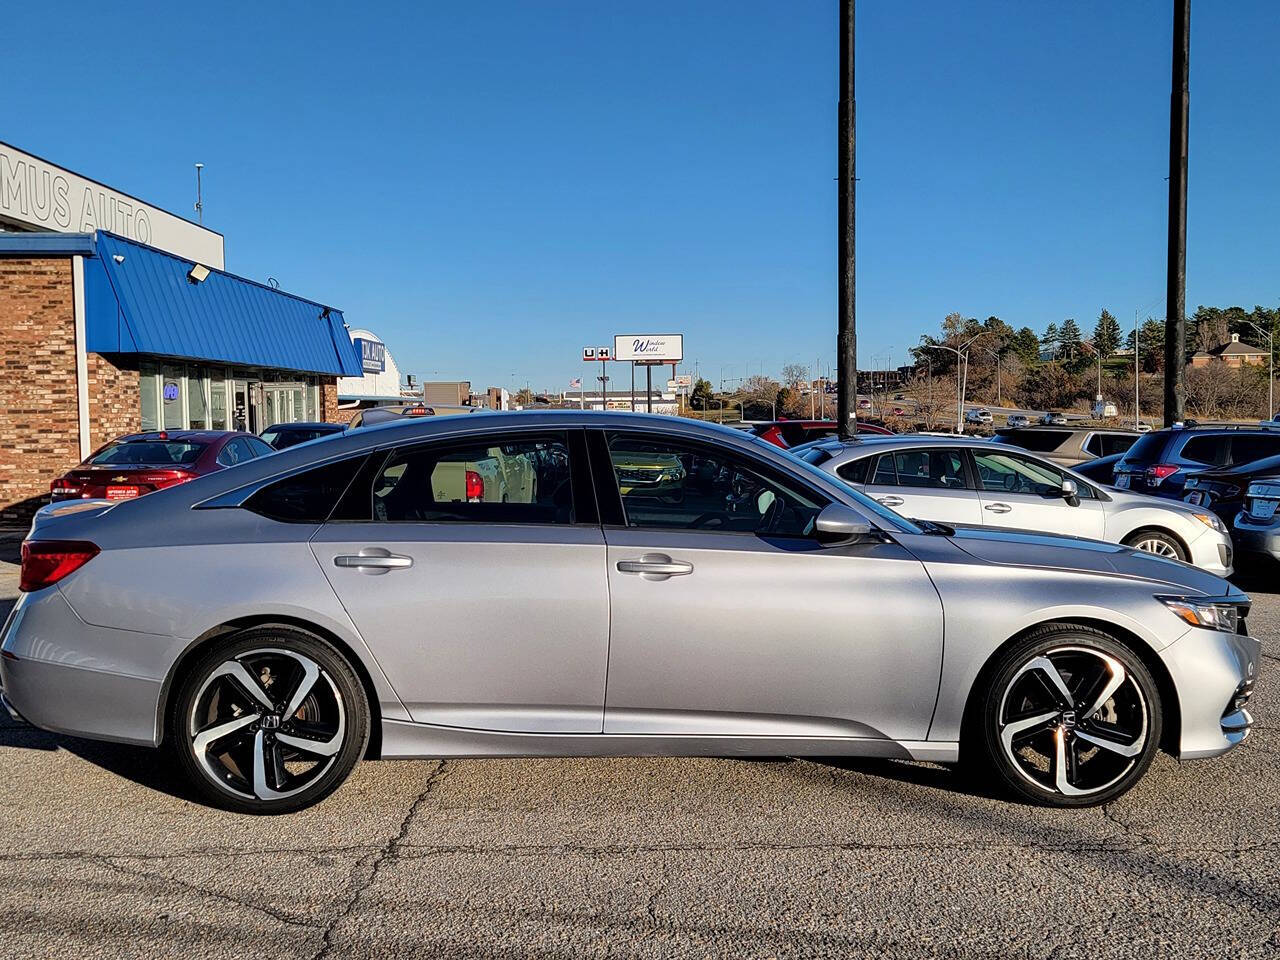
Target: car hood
column 1050, row 552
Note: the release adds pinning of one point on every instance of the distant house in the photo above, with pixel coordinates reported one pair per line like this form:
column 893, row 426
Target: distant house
column 1233, row 354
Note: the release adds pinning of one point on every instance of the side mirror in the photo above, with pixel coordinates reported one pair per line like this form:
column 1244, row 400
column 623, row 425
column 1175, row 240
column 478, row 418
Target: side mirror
column 1070, row 491
column 838, row 522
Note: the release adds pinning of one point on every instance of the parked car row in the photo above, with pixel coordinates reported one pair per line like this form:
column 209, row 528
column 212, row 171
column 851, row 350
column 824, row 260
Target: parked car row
column 351, row 621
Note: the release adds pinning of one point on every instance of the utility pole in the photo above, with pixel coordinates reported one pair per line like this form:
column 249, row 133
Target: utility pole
column 847, row 330
column 1137, row 414
column 1175, row 332
column 199, row 195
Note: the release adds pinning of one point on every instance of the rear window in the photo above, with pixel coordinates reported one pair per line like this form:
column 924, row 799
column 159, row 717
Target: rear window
column 856, row 471
column 1113, row 443
column 1037, row 441
column 1148, row 448
column 149, row 452
column 307, row 497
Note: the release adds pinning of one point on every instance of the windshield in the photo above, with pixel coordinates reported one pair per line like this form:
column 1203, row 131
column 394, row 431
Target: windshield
column 150, row 452
column 894, row 521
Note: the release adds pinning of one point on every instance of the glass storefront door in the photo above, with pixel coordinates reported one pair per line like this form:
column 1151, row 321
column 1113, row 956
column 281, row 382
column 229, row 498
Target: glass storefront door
column 281, row 403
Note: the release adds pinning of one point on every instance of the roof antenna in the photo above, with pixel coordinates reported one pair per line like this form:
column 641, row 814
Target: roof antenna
column 199, row 197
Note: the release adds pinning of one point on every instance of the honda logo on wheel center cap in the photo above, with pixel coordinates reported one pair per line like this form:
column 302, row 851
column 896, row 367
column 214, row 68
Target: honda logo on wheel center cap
column 270, row 721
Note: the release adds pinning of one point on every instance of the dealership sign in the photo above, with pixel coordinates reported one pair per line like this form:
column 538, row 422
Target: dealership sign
column 373, row 355
column 35, row 193
column 649, row 347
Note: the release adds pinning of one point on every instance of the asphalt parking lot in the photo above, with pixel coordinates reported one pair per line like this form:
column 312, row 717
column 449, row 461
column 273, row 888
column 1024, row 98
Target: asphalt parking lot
column 105, row 854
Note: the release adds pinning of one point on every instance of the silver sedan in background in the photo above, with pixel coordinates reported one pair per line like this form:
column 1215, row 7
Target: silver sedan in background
column 974, row 482
column 647, row 586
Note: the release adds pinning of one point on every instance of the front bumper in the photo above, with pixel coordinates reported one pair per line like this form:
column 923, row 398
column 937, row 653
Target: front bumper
column 1213, row 551
column 1213, row 673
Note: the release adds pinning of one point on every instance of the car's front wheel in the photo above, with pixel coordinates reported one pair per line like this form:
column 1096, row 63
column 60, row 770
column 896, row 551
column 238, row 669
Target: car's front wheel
column 270, row 721
column 1158, row 542
column 1069, row 717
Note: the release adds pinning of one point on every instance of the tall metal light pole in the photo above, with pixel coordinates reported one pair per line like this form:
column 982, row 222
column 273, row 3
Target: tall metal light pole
column 1271, row 368
column 1175, row 335
column 962, row 353
column 199, row 195
column 847, row 328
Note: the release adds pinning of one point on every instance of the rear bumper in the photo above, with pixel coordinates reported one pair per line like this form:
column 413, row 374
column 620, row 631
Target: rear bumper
column 1251, row 537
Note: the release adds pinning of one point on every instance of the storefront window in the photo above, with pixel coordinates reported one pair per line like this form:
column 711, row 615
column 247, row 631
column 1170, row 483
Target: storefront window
column 173, row 397
column 218, row 402
column 198, row 409
column 149, row 385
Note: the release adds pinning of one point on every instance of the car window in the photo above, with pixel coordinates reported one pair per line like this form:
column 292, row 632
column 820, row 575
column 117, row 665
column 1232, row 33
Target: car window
column 1206, row 449
column 307, row 497
column 855, row 471
column 1010, row 473
column 232, row 453
column 256, row 448
column 669, row 485
column 1247, row 448
column 1148, row 448
column 937, row 469
column 1113, row 443
column 148, row 453
column 499, row 479
column 1094, row 444
column 1035, row 439
column 885, row 473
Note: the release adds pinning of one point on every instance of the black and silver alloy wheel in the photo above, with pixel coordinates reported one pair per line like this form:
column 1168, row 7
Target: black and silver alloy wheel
column 1157, row 542
column 272, row 722
column 1072, row 717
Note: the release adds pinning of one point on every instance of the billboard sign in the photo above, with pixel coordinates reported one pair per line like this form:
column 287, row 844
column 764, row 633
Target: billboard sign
column 373, row 355
column 40, row 195
column 649, row 347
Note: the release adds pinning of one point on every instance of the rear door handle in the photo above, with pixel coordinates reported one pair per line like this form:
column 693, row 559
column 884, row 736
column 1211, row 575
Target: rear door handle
column 890, row 501
column 998, row 507
column 656, row 566
column 373, row 560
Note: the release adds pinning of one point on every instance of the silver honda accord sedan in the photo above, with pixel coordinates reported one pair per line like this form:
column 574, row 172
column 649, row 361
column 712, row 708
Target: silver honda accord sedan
column 571, row 584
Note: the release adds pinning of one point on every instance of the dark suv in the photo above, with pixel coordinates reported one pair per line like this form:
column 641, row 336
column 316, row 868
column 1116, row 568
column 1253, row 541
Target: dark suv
column 1161, row 462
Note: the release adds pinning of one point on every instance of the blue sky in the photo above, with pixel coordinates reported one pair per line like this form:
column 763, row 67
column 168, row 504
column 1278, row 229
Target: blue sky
column 492, row 186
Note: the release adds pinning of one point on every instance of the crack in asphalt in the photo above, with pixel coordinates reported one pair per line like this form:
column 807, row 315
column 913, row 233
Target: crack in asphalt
column 372, row 866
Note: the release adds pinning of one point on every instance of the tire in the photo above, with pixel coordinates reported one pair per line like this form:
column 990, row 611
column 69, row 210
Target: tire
column 1021, row 716
column 1158, row 542
column 244, row 756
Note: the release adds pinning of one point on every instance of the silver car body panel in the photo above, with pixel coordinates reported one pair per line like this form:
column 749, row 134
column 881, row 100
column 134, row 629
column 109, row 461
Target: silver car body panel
column 534, row 643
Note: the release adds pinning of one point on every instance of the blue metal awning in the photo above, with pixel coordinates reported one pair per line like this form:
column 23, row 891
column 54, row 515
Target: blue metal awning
column 140, row 300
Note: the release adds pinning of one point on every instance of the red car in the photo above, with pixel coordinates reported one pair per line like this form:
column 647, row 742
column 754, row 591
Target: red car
column 141, row 463
column 792, row 433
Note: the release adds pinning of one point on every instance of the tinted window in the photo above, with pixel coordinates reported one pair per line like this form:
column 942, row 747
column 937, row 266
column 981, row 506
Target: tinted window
column 940, row 469
column 1113, row 443
column 305, row 497
column 1147, row 449
column 1250, row 447
column 816, row 455
column 255, row 447
column 1040, row 441
column 1211, row 449
column 1010, row 473
column 232, row 453
column 148, row 452
column 493, row 480
column 855, row 471
column 885, row 473
column 669, row 485
column 1094, row 445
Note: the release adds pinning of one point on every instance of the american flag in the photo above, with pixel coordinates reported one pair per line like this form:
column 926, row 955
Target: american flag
column 576, row 382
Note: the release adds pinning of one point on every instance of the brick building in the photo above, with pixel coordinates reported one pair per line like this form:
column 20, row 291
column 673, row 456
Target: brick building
column 102, row 335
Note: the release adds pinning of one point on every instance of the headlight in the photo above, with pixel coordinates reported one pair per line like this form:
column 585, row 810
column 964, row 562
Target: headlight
column 1204, row 613
column 1211, row 520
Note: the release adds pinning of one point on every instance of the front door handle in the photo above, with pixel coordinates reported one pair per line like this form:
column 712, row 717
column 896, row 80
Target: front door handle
column 998, row 507
column 890, row 501
column 656, row 566
column 373, row 560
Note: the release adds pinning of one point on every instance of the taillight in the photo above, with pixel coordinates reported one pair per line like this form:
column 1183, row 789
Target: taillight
column 168, row 478
column 475, row 487
column 45, row 562
column 1159, row 471
column 64, row 488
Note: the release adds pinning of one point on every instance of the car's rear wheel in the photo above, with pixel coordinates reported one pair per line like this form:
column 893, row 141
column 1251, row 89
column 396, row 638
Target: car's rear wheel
column 1070, row 717
column 1158, row 542
column 270, row 721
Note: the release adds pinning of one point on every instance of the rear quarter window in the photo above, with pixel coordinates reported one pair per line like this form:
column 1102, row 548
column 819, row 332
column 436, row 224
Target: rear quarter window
column 1205, row 449
column 307, row 497
column 1037, row 441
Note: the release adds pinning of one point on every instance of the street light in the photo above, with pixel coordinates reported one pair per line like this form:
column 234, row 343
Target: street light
column 999, row 395
column 1271, row 370
column 961, row 352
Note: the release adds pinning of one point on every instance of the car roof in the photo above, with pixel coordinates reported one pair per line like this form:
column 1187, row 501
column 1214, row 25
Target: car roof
column 880, row 442
column 184, row 435
column 306, row 425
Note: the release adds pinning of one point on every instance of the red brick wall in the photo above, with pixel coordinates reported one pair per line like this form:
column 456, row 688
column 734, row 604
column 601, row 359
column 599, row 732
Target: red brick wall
column 329, row 400
column 39, row 419
column 115, row 404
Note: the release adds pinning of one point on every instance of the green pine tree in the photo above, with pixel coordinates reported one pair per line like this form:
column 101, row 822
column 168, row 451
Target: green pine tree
column 1106, row 334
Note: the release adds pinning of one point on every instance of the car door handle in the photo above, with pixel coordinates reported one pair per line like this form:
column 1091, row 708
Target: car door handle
column 890, row 501
column 656, row 566
column 998, row 507
column 373, row 560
